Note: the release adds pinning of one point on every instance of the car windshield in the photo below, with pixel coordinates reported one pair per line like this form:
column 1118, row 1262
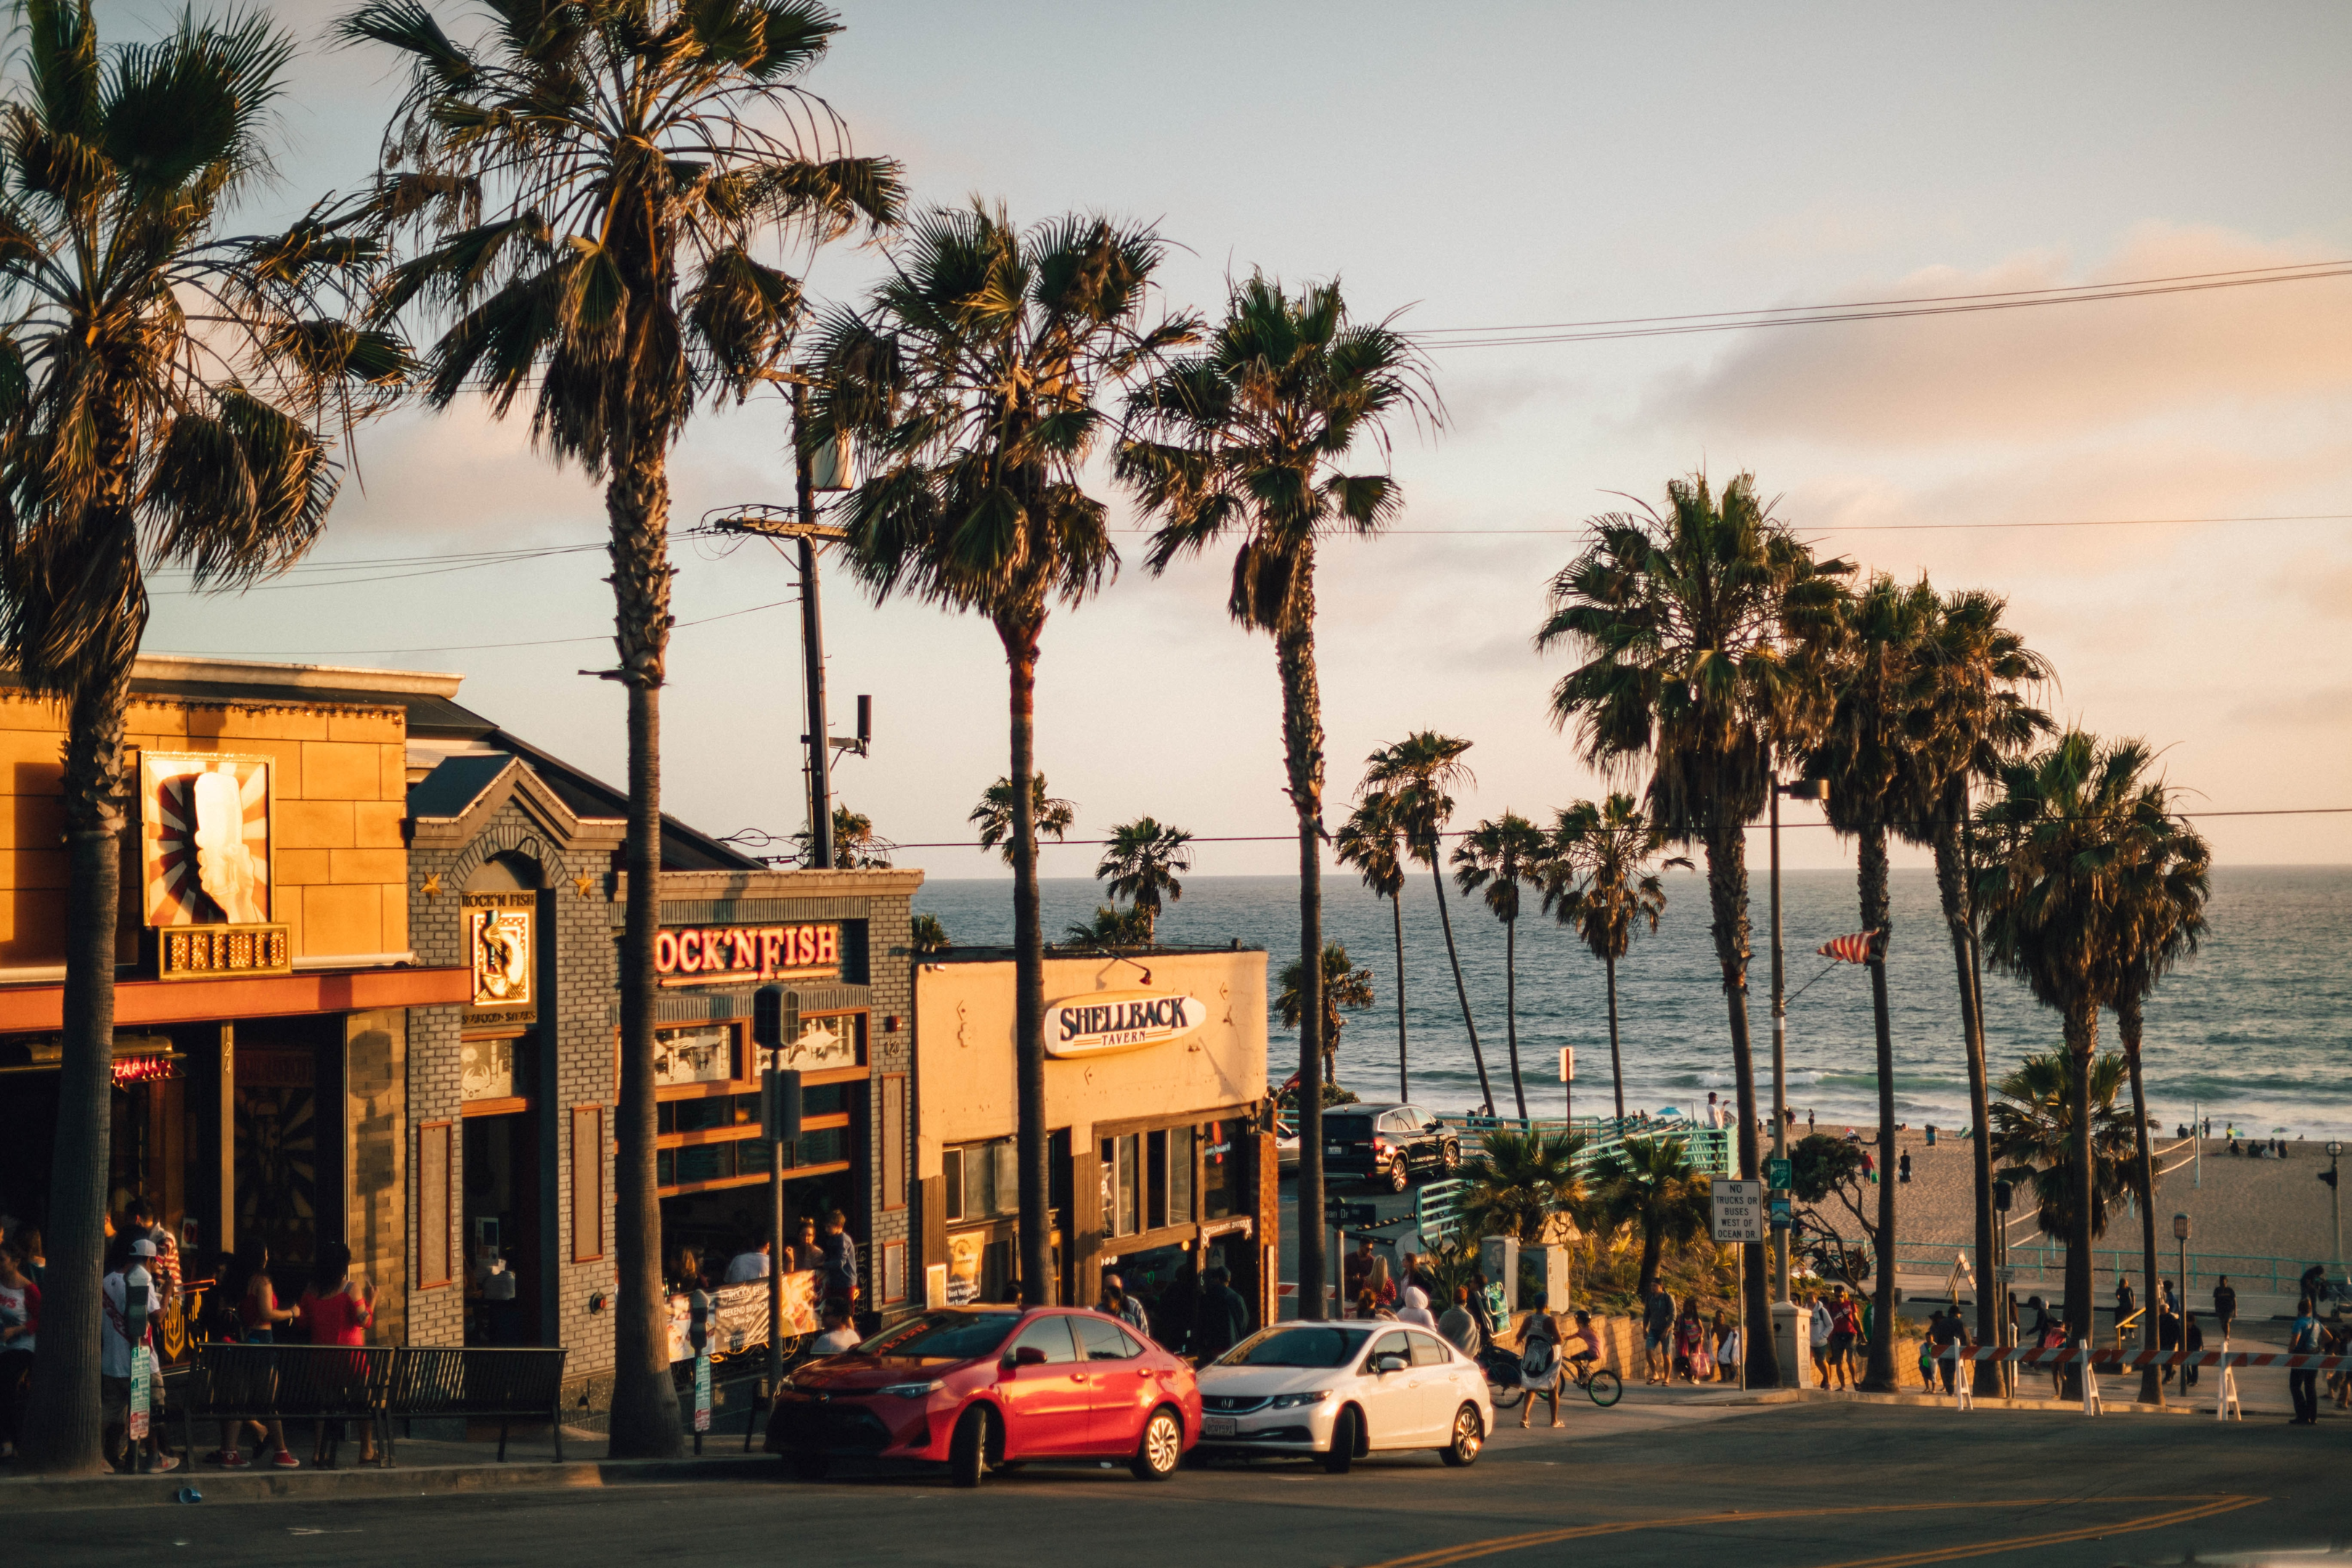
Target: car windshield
column 944, row 1336
column 1311, row 1346
column 1346, row 1126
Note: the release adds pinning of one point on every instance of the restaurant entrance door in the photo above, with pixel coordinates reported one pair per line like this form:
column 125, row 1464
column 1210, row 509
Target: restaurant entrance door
column 501, row 1210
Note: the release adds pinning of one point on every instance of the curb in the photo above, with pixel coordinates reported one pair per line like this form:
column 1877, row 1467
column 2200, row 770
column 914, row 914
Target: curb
column 1944, row 1402
column 33, row 1494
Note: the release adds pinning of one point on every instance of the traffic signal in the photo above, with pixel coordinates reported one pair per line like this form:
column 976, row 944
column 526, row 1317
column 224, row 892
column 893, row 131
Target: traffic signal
column 780, row 1105
column 775, row 1018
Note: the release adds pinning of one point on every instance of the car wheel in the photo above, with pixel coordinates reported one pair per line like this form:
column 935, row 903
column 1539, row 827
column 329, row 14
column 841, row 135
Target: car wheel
column 1161, row 1449
column 811, row 1467
column 968, row 1449
column 1400, row 1178
column 1342, row 1452
column 1449, row 1158
column 1469, row 1437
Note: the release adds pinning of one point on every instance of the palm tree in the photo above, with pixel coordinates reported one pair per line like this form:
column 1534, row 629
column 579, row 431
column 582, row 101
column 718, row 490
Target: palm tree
column 1518, row 1180
column 1342, row 985
column 1977, row 667
column 1370, row 841
column 2063, row 830
column 971, row 379
column 161, row 384
column 1141, row 860
column 1246, row 440
column 926, row 933
column 2160, row 918
column 855, row 845
column 1111, row 929
column 590, row 187
column 1499, row 856
column 1600, row 880
column 2033, row 1140
column 1685, row 620
column 1869, row 751
column 994, row 816
column 1651, row 1183
column 1417, row 773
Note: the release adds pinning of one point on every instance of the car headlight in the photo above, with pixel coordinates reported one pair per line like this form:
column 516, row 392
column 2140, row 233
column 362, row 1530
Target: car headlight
column 912, row 1390
column 1293, row 1401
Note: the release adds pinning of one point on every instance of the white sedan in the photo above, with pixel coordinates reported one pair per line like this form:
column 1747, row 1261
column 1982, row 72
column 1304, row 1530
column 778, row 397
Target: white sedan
column 1343, row 1390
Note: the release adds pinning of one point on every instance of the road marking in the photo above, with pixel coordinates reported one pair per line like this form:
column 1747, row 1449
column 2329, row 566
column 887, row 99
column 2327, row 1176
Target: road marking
column 2199, row 1508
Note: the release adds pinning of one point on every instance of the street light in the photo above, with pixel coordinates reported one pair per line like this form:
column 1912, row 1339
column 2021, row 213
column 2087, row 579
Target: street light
column 2336, row 1197
column 2181, row 1235
column 1792, row 1365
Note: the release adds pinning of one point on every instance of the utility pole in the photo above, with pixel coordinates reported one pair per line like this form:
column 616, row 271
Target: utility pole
column 1784, row 1313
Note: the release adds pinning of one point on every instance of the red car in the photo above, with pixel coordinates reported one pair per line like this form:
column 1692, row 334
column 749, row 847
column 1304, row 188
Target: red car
column 982, row 1388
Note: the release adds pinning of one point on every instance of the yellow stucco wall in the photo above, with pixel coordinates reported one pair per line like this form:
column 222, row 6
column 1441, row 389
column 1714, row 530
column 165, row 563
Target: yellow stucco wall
column 964, row 1042
column 340, row 782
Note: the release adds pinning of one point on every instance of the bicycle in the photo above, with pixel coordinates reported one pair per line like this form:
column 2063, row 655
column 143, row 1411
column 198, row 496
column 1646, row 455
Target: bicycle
column 1599, row 1384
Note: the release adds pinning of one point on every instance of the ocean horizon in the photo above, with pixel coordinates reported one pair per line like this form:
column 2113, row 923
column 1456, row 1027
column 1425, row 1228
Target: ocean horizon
column 2252, row 1032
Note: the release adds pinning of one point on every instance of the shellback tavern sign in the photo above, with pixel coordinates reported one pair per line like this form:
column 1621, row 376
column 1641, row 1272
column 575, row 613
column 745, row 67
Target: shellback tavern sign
column 706, row 955
column 1109, row 1021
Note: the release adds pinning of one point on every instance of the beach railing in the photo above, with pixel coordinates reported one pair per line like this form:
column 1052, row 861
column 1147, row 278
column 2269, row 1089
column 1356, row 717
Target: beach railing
column 2249, row 1274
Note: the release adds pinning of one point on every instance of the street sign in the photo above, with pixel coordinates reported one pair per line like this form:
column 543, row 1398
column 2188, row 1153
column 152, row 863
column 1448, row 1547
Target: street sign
column 1739, row 1211
column 1783, row 1211
column 2003, row 1274
column 1777, row 1174
column 1339, row 1212
column 1568, row 1064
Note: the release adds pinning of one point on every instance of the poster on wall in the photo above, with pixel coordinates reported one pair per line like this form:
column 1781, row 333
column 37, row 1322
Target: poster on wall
column 499, row 950
column 965, row 1251
column 739, row 1316
column 204, row 838
column 693, row 1056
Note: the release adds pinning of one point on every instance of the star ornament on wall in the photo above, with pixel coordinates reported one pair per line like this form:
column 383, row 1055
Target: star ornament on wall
column 433, row 885
column 583, row 884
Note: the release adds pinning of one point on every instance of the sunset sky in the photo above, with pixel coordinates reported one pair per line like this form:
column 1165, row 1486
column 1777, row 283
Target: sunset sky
column 1492, row 164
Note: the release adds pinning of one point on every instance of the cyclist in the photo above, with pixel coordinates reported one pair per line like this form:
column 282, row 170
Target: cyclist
column 1587, row 1351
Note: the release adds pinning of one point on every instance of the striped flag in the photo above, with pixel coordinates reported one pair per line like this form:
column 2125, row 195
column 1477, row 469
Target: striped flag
column 1855, row 949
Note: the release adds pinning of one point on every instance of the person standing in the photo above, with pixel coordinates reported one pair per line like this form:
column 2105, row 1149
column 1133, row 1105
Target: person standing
column 1459, row 1325
column 1822, row 1325
column 1903, row 1169
column 20, row 1325
column 129, row 1273
column 1539, row 1361
column 2193, row 1343
column 1658, row 1330
column 1117, row 1303
column 837, row 1260
column 1928, row 1351
column 1845, row 1326
column 2126, row 1303
column 337, row 1311
column 1415, row 1308
column 1727, row 1348
column 2225, row 1306
column 837, row 1336
column 1356, row 1268
column 1223, row 1319
column 2302, row 1381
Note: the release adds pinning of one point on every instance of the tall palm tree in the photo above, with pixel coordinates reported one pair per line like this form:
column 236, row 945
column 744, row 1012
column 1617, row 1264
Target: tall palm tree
column 1246, row 440
column 1684, row 619
column 2033, row 1140
column 1047, row 814
column 970, row 377
column 1418, row 775
column 1651, row 1184
column 2160, row 921
column 1371, row 841
column 1499, row 856
column 1141, row 860
column 1601, row 879
column 2062, row 830
column 590, row 188
column 1869, row 751
column 1979, row 672
column 170, row 395
column 1342, row 985
column 1519, row 1180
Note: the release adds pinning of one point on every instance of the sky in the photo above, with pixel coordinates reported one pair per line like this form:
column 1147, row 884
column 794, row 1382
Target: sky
column 1491, row 164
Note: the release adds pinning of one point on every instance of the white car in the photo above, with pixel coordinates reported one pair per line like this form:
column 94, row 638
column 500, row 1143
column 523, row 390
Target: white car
column 1341, row 1391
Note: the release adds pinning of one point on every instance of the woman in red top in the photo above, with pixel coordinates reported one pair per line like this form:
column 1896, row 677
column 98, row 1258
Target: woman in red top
column 337, row 1311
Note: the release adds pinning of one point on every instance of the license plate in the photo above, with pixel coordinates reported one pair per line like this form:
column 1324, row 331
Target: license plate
column 1216, row 1426
column 1335, row 1148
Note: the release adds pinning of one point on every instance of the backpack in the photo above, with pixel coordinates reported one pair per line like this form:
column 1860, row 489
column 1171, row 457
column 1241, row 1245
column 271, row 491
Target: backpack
column 1538, row 1358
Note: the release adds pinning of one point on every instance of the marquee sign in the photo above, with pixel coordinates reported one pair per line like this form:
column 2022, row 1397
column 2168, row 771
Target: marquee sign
column 1105, row 1022
column 703, row 955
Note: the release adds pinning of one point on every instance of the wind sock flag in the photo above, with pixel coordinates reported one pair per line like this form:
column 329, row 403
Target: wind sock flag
column 1855, row 949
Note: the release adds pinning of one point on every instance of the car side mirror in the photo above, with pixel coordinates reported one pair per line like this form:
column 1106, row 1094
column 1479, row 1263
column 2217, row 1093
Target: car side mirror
column 1388, row 1364
column 1026, row 1355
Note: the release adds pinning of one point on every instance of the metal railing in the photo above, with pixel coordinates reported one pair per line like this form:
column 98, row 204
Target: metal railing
column 2248, row 1274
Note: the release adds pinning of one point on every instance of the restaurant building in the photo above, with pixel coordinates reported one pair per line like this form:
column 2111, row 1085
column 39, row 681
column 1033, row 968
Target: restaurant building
column 1161, row 1144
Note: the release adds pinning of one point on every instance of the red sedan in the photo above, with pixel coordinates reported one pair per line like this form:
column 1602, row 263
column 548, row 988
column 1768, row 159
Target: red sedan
column 982, row 1388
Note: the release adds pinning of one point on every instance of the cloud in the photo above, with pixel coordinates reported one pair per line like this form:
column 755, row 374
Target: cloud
column 2032, row 376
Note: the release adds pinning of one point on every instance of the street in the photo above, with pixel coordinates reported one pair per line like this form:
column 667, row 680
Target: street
column 1655, row 1480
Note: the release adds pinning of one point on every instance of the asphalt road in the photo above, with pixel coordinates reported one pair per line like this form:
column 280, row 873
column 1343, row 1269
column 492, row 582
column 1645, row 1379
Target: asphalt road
column 1655, row 1480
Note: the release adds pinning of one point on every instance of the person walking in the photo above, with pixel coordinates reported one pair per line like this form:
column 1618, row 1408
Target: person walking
column 1690, row 1343
column 337, row 1309
column 1459, row 1325
column 2127, row 1304
column 133, row 1256
column 2192, row 1344
column 2225, row 1306
column 1117, row 1303
column 1224, row 1320
column 258, row 1317
column 20, row 1326
column 1822, row 1324
column 1950, row 1333
column 2302, row 1383
column 1727, row 1348
column 1539, row 1361
column 1657, row 1329
column 1845, row 1327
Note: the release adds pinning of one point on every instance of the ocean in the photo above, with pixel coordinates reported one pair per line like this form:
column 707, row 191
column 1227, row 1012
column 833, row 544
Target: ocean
column 2253, row 1032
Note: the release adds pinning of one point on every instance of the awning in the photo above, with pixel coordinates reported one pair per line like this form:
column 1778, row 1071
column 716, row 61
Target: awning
column 24, row 1008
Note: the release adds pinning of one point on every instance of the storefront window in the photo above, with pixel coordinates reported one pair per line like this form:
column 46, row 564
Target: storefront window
column 983, row 1180
column 1122, row 1184
column 1220, row 1175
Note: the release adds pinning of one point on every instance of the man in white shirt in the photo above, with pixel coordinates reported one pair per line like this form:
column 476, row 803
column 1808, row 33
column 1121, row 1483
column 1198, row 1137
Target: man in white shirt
column 838, row 1335
column 748, row 1265
column 114, row 1353
column 1714, row 1110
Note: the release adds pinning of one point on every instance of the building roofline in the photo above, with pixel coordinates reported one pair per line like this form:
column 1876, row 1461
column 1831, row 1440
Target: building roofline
column 322, row 677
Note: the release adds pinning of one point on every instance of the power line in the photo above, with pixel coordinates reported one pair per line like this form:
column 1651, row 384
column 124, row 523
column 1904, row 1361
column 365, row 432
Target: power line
column 1892, row 526
column 1611, row 328
column 467, row 648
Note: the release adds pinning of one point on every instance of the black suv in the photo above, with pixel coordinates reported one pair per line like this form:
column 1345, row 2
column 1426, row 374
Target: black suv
column 1387, row 1144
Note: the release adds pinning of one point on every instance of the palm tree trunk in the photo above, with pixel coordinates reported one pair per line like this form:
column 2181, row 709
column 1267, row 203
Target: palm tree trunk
column 644, row 1418
column 1020, row 639
column 1879, row 1375
column 1511, row 1010
column 1726, row 892
column 1647, row 1283
column 1486, row 1090
column 1396, row 912
column 2082, row 1046
column 1302, row 746
column 2127, row 1026
column 1616, row 1062
column 62, row 1429
column 1990, row 1293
